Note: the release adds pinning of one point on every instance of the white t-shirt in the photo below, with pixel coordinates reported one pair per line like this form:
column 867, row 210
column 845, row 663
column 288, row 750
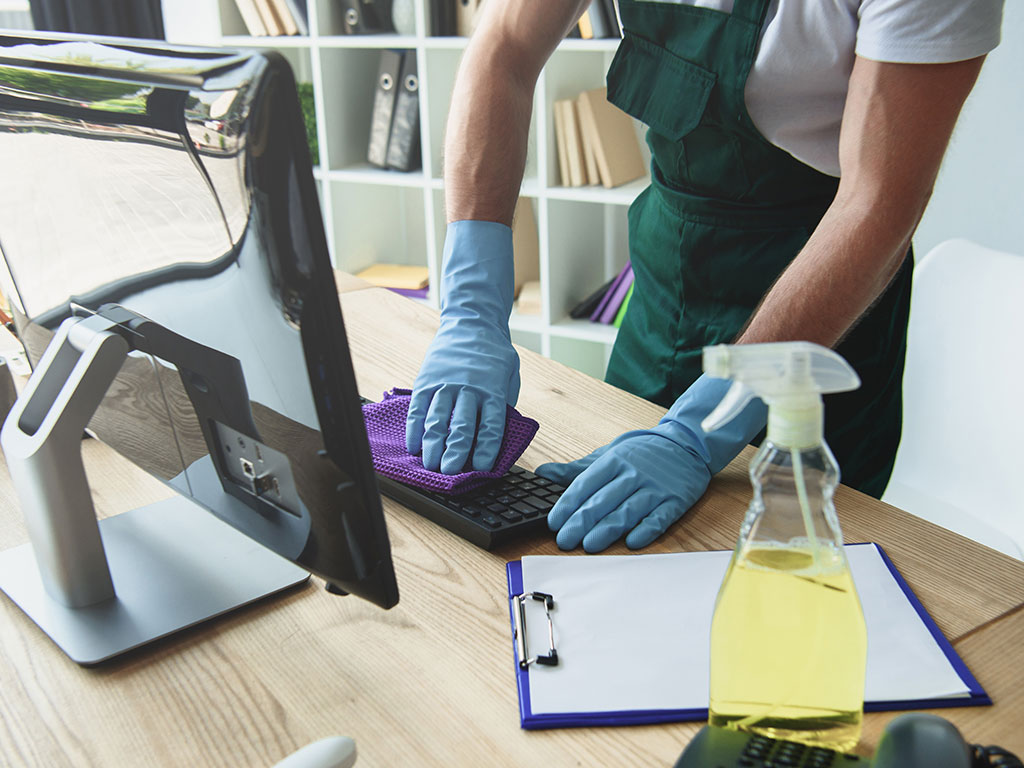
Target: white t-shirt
column 797, row 86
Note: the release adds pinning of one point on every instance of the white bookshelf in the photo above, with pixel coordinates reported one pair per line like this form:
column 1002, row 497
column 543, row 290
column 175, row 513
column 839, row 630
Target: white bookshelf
column 375, row 215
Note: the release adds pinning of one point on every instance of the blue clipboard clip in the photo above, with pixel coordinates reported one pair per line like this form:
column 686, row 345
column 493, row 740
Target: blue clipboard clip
column 519, row 629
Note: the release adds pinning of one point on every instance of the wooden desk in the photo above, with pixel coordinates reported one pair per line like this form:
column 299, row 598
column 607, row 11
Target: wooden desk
column 431, row 682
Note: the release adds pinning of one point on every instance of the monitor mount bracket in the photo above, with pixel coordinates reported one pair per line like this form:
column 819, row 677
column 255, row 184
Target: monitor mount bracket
column 100, row 588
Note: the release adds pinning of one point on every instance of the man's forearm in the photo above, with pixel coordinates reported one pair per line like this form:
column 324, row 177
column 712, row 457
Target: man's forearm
column 487, row 136
column 845, row 266
column 489, row 120
column 896, row 125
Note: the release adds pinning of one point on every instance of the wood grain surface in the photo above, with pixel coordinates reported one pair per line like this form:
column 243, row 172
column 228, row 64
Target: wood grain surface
column 431, row 681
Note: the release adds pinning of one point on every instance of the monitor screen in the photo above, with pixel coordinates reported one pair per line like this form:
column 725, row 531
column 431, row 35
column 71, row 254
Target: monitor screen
column 170, row 190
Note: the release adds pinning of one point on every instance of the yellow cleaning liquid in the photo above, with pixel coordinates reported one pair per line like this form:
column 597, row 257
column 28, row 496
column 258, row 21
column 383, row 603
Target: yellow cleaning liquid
column 788, row 645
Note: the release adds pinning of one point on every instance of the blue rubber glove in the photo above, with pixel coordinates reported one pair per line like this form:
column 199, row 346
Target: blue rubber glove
column 645, row 480
column 471, row 370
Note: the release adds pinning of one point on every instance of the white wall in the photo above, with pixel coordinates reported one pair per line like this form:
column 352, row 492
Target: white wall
column 980, row 190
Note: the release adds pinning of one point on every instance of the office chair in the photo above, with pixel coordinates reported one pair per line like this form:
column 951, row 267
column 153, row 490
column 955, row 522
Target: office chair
column 960, row 463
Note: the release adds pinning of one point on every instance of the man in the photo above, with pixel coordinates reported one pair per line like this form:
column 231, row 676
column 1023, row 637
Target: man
column 794, row 147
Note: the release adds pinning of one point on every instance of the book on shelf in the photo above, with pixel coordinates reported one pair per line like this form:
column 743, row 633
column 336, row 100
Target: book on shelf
column 560, row 150
column 595, row 141
column 283, row 16
column 300, row 14
column 406, row 279
column 274, row 17
column 593, row 175
column 613, row 136
column 251, row 17
column 268, row 17
column 572, row 144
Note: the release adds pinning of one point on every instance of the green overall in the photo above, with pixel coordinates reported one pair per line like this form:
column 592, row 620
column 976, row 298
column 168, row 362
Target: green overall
column 724, row 215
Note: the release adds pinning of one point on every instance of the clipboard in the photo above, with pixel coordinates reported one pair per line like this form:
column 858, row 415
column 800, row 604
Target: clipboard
column 533, row 720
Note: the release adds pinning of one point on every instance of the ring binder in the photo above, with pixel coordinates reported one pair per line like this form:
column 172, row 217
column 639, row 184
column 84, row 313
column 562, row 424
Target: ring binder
column 403, row 148
column 384, row 106
column 519, row 630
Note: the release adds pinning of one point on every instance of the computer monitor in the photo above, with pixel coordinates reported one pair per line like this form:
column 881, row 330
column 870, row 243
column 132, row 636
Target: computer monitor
column 166, row 267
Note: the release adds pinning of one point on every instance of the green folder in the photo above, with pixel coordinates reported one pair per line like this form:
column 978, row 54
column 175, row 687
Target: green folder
column 622, row 309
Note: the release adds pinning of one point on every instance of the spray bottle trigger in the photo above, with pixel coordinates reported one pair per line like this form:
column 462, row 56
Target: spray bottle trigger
column 735, row 400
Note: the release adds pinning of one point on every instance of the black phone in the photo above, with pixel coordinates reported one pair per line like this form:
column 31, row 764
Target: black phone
column 915, row 740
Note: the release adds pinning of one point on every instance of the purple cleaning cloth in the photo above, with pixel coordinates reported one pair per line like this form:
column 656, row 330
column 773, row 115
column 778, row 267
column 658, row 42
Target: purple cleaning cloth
column 385, row 427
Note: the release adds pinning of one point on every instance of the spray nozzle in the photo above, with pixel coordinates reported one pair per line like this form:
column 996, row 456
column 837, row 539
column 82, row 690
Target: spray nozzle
column 790, row 376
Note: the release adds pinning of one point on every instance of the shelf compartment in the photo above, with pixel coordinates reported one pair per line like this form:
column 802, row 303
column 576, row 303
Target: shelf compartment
column 349, row 84
column 376, row 224
column 587, row 245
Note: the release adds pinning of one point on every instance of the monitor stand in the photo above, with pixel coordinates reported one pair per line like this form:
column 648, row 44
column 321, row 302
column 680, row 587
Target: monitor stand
column 99, row 589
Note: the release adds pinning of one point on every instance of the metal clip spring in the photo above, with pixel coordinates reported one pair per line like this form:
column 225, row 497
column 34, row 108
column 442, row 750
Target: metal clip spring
column 519, row 618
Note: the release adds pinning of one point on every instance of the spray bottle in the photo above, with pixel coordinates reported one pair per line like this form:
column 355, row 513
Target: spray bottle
column 788, row 641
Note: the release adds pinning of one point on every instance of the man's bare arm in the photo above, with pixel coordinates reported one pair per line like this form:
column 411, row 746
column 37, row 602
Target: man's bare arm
column 489, row 119
column 896, row 125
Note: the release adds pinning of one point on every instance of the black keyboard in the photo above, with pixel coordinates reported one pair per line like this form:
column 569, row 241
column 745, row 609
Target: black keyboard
column 726, row 748
column 490, row 515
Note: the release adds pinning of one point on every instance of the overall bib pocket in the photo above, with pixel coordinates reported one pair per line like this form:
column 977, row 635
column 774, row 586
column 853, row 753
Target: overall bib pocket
column 675, row 94
column 677, row 100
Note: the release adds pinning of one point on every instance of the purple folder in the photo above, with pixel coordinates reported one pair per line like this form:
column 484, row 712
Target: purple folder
column 618, row 296
column 603, row 304
column 415, row 293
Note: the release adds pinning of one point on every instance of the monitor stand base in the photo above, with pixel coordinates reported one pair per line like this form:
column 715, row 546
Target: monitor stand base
column 173, row 565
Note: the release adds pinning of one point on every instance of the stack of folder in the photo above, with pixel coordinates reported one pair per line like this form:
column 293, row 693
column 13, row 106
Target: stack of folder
column 395, row 119
column 607, row 305
column 596, row 141
column 274, row 17
column 407, row 280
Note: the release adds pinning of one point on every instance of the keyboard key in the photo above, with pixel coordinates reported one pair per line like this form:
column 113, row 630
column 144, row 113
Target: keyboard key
column 472, row 510
column 496, row 508
column 537, row 503
column 504, row 499
column 525, row 509
column 491, row 521
column 511, row 516
column 517, row 494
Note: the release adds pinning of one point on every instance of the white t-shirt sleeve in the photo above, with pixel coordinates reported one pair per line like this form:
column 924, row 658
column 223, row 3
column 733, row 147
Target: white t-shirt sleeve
column 927, row 31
